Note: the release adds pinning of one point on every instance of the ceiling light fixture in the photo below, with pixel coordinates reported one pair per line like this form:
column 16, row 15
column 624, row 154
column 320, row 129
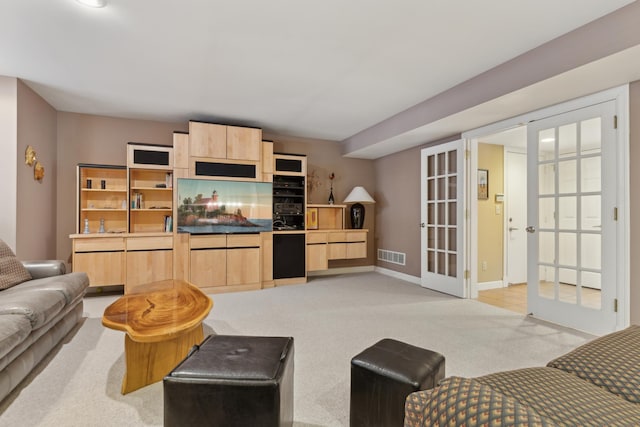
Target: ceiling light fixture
column 93, row 3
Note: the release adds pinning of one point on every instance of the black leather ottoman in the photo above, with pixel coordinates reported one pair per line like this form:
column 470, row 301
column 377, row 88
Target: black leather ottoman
column 232, row 381
column 382, row 377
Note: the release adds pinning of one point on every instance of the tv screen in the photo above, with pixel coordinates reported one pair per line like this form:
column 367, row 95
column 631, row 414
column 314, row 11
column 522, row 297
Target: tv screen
column 217, row 206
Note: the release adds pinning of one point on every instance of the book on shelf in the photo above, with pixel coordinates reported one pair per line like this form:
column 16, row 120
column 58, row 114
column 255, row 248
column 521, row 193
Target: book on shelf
column 168, row 224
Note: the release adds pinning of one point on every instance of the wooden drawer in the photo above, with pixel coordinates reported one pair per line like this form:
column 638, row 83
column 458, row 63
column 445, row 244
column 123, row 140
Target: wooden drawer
column 357, row 236
column 209, row 241
column 316, row 238
column 99, row 244
column 337, row 251
column 243, row 240
column 337, row 236
column 149, row 243
column 356, row 250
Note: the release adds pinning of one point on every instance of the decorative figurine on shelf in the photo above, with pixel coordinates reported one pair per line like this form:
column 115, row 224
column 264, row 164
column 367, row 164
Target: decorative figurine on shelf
column 101, row 226
column 331, row 198
column 86, row 226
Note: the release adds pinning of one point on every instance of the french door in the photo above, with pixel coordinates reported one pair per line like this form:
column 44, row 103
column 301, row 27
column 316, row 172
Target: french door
column 571, row 214
column 442, row 206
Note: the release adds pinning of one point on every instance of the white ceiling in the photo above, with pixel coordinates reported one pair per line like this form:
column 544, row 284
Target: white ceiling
column 317, row 69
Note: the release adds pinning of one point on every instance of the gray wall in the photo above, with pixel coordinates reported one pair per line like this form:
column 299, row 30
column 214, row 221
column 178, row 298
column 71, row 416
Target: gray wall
column 36, row 201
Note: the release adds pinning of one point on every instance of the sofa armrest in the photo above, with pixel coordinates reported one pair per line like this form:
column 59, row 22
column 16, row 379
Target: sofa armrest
column 46, row 268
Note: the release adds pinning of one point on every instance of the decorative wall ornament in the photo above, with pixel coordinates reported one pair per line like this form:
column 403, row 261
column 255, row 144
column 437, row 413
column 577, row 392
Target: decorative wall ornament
column 38, row 172
column 29, row 156
column 30, row 159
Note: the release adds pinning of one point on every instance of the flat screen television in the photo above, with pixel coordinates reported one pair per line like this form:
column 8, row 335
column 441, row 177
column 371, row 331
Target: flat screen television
column 221, row 207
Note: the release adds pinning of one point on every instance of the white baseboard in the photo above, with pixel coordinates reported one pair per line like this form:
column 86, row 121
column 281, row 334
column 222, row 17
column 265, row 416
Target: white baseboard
column 341, row 270
column 483, row 286
column 402, row 276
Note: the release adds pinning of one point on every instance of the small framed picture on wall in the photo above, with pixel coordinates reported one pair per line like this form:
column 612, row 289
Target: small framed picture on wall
column 483, row 184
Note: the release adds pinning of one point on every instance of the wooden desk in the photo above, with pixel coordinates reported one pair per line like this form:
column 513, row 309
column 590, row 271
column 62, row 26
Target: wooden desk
column 163, row 320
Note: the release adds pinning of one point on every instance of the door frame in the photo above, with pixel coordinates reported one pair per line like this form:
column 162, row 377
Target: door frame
column 505, row 225
column 620, row 95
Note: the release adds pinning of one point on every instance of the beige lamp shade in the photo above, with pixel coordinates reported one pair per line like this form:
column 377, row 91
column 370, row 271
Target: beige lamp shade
column 359, row 195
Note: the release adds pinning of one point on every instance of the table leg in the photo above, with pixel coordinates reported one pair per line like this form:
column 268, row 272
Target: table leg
column 149, row 362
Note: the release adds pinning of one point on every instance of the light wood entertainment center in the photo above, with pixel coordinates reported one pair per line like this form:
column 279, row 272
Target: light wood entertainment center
column 130, row 212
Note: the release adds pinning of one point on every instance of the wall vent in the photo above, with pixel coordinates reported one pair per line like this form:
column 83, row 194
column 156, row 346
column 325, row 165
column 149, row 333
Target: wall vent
column 391, row 256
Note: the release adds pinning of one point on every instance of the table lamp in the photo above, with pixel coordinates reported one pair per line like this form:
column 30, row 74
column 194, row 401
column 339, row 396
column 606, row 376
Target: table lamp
column 358, row 196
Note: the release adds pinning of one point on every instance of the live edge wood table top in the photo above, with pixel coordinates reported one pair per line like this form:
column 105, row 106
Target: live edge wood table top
column 162, row 321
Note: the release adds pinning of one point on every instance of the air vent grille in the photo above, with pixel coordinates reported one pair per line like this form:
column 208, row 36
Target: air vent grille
column 391, row 256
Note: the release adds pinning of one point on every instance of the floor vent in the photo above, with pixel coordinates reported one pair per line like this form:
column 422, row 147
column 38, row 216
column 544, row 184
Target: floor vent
column 391, row 256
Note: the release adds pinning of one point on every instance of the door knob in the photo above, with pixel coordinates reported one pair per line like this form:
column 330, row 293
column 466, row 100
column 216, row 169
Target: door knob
column 530, row 229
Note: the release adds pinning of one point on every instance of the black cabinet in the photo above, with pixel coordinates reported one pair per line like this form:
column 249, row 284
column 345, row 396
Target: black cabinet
column 289, row 255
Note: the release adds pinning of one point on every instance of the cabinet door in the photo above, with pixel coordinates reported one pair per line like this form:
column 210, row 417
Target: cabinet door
column 243, row 266
column 244, row 143
column 103, row 268
column 209, row 267
column 207, row 140
column 148, row 266
column 356, row 250
column 317, row 257
column 337, row 251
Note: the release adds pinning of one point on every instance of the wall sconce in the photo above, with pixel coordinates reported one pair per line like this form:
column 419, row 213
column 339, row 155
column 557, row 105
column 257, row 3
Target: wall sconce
column 31, row 160
column 358, row 196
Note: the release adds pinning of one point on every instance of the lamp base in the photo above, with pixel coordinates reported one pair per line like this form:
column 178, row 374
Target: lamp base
column 357, row 215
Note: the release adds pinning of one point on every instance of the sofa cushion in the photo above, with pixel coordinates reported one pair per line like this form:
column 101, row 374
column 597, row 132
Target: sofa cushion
column 12, row 272
column 564, row 398
column 465, row 401
column 13, row 330
column 611, row 361
column 37, row 305
column 71, row 285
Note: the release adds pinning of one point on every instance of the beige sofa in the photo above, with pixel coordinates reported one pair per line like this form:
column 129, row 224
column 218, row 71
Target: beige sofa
column 35, row 316
column 596, row 384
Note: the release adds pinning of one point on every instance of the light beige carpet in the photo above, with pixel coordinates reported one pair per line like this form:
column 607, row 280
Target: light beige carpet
column 331, row 318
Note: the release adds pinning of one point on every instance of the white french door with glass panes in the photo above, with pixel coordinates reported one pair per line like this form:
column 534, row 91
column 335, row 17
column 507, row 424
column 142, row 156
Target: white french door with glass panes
column 572, row 232
column 442, row 220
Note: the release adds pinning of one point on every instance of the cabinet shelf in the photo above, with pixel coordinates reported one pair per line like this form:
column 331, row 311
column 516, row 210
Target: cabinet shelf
column 106, row 190
column 152, row 188
column 152, row 210
column 102, row 210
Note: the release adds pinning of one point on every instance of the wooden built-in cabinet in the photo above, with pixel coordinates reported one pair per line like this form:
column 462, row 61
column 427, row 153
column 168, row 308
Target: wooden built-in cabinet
column 101, row 197
column 328, row 239
column 136, row 205
column 101, row 257
column 217, row 141
column 222, row 263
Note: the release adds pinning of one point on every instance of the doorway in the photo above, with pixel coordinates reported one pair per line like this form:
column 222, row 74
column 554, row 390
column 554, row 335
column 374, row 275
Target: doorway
column 576, row 222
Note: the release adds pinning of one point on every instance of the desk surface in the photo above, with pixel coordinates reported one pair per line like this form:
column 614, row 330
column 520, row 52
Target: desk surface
column 158, row 311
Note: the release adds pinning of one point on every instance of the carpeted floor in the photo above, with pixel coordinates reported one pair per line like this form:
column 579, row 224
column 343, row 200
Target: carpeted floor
column 331, row 318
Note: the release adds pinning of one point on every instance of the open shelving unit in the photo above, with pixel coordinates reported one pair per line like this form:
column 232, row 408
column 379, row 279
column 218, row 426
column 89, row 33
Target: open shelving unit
column 96, row 203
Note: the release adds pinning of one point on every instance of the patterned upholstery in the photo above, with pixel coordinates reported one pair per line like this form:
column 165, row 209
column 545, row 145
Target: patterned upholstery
column 564, row 398
column 467, row 402
column 611, row 361
column 12, row 272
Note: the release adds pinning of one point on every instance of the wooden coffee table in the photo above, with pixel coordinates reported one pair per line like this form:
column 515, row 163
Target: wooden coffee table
column 163, row 320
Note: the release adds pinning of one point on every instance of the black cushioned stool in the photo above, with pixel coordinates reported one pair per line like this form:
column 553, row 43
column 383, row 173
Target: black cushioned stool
column 232, row 381
column 382, row 377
